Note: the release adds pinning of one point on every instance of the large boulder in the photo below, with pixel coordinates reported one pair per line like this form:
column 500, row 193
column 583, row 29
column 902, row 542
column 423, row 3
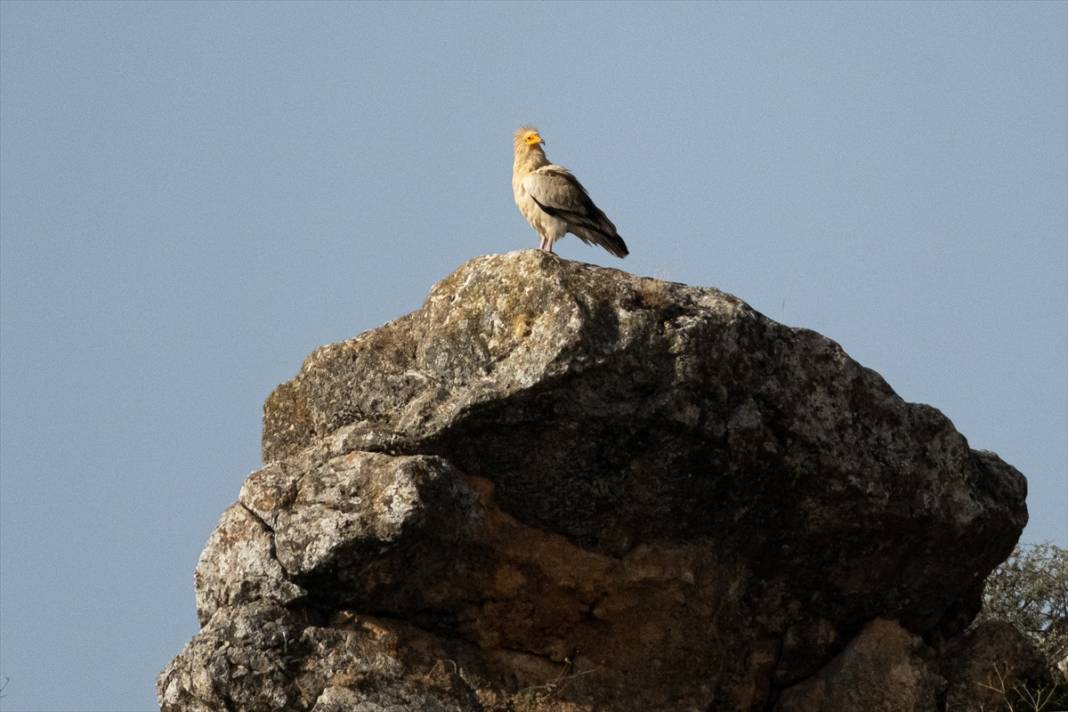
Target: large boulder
column 562, row 487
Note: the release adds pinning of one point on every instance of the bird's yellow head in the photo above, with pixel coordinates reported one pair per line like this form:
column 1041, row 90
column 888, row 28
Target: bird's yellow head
column 527, row 136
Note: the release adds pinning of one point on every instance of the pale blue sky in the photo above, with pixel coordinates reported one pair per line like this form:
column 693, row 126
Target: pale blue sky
column 194, row 196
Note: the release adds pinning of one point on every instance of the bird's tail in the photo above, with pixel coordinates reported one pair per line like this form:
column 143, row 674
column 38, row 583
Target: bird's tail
column 610, row 241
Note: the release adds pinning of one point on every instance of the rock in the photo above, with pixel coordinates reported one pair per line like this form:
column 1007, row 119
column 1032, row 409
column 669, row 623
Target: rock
column 563, row 487
column 881, row 670
column 239, row 560
column 992, row 665
column 243, row 658
column 364, row 522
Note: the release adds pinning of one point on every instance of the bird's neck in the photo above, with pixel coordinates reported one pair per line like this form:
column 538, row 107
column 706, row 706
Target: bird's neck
column 529, row 160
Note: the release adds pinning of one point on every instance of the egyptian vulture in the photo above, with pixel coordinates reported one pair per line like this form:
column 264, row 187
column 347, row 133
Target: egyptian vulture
column 554, row 202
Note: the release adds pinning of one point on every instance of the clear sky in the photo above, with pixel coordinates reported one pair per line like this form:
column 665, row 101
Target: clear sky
column 194, row 196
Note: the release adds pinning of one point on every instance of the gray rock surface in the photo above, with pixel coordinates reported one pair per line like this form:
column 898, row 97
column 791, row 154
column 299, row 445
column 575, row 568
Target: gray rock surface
column 563, row 487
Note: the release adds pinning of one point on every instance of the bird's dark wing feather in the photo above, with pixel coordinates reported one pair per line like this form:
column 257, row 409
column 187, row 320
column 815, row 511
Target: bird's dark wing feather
column 559, row 193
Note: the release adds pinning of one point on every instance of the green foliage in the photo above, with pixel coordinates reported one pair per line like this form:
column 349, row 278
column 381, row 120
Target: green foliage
column 1030, row 591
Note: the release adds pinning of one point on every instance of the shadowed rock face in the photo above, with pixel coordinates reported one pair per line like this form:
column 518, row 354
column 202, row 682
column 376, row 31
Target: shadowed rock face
column 563, row 487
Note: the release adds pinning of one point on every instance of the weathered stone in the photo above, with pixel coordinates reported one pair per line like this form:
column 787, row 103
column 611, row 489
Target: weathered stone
column 883, row 669
column 364, row 522
column 238, row 566
column 243, row 658
column 562, row 487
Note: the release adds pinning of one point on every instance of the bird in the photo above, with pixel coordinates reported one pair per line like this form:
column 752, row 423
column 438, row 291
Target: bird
column 554, row 202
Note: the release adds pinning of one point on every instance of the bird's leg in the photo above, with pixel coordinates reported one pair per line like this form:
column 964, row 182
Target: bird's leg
column 541, row 242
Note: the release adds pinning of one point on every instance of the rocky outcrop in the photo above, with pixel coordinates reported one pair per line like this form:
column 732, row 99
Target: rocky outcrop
column 562, row 487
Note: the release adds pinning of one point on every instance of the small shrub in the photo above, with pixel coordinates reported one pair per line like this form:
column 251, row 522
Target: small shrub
column 1021, row 698
column 1030, row 591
